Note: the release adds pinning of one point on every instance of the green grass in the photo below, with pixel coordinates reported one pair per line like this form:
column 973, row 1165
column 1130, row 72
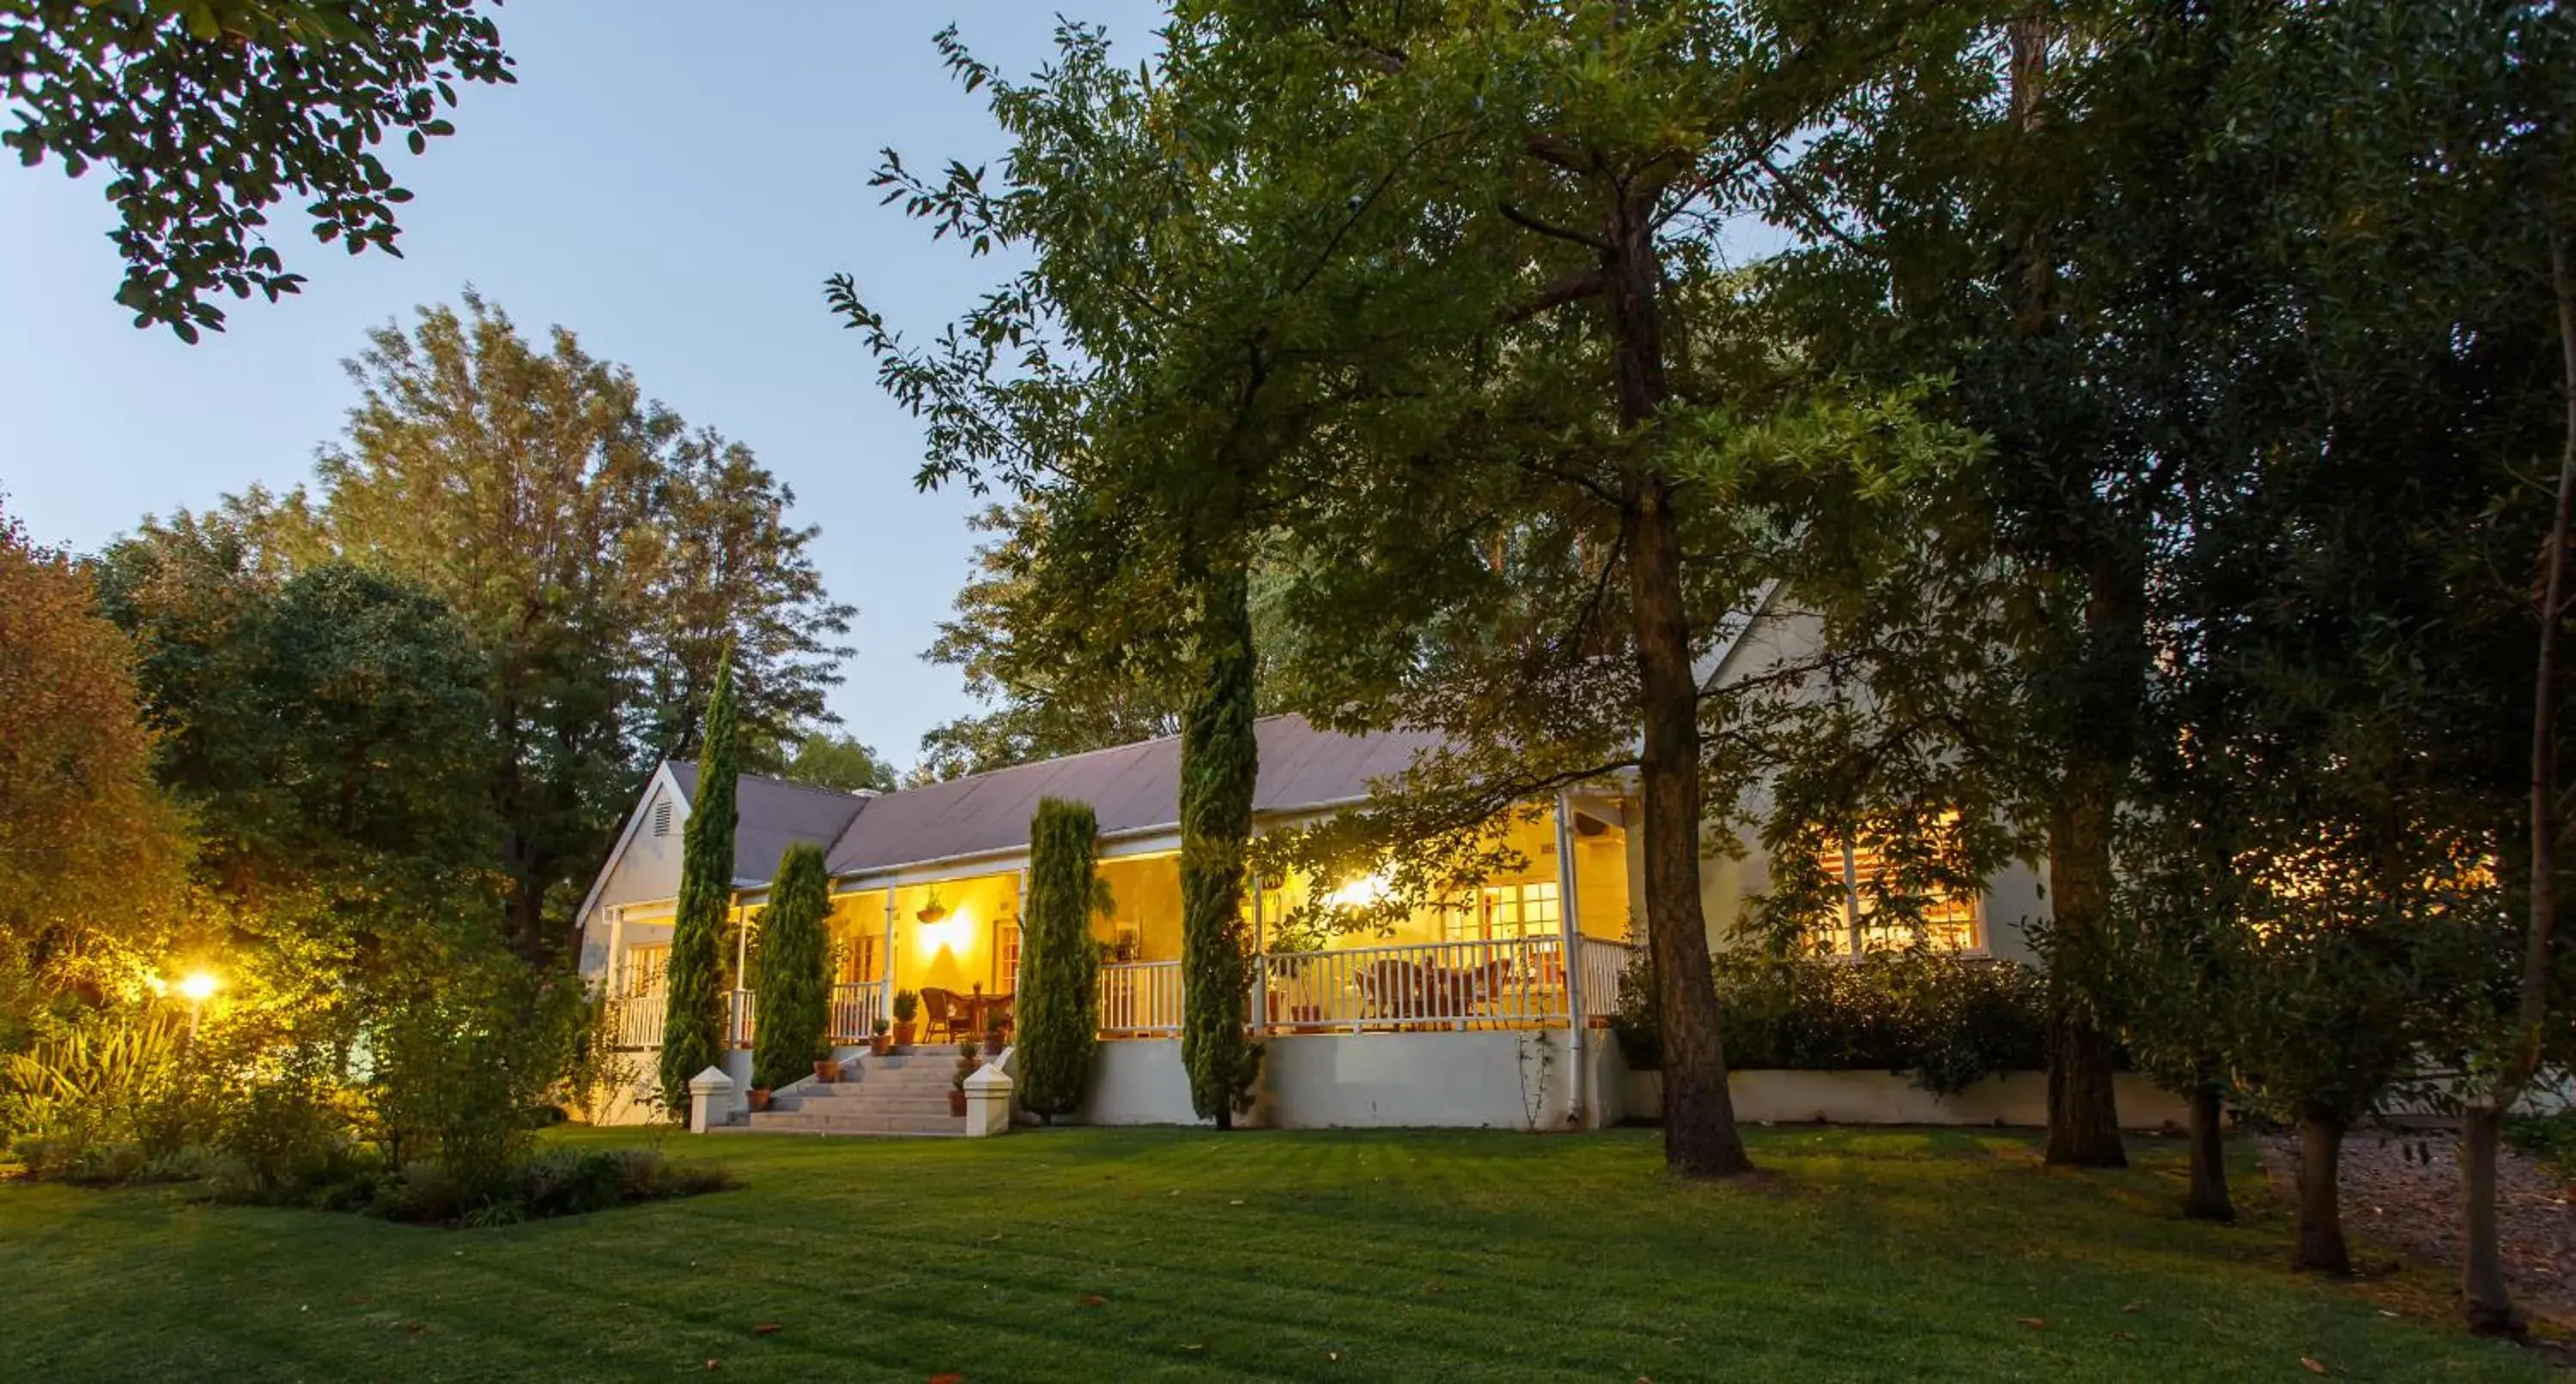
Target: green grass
column 1163, row 1254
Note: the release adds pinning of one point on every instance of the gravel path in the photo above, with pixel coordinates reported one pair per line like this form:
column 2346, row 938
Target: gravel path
column 2403, row 1189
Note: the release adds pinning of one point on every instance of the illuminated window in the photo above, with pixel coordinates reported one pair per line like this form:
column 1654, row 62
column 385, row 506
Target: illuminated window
column 1505, row 913
column 1006, row 956
column 1946, row 921
column 645, row 967
column 858, row 958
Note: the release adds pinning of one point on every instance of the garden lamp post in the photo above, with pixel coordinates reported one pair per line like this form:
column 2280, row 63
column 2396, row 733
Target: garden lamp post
column 198, row 988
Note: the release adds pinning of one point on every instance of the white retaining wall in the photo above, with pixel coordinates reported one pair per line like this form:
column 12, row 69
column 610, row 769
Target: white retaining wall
column 2018, row 1099
column 1502, row 1079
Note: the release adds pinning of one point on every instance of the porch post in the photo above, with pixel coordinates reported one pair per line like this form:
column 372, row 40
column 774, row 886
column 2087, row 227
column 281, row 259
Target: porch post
column 1570, row 928
column 1260, row 964
column 1020, row 920
column 612, row 977
column 885, row 992
column 741, row 942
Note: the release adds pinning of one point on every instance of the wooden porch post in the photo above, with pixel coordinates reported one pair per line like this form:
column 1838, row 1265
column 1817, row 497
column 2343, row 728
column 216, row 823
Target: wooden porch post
column 613, row 975
column 1570, row 927
column 1260, row 1010
column 885, row 992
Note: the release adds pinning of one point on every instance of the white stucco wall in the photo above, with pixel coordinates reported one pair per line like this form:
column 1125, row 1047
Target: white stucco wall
column 1730, row 878
column 1476, row 1080
column 648, row 869
column 2015, row 1099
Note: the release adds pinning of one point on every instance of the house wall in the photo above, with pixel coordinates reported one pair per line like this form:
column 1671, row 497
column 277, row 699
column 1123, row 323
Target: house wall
column 647, row 870
column 1734, row 867
column 1481, row 1080
column 959, row 951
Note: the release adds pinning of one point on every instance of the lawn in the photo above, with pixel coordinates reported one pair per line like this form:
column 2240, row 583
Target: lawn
column 1165, row 1254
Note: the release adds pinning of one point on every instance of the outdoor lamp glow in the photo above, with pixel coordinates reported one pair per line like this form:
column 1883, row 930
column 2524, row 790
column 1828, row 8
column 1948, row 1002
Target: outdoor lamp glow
column 198, row 987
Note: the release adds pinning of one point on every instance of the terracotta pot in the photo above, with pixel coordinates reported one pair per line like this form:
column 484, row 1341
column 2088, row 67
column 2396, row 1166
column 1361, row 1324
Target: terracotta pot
column 902, row 1034
column 878, row 1043
column 956, row 1101
column 826, row 1070
column 759, row 1099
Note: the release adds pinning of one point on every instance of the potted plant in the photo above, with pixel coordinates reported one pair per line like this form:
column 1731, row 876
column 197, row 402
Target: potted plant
column 878, row 1042
column 997, row 1035
column 759, row 1099
column 966, row 1065
column 907, row 1005
column 827, row 1068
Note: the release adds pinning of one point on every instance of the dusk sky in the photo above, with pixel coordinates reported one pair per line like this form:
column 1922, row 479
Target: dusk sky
column 671, row 181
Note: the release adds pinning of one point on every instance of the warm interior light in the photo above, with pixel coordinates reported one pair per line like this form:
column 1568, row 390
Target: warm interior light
column 1362, row 892
column 198, row 987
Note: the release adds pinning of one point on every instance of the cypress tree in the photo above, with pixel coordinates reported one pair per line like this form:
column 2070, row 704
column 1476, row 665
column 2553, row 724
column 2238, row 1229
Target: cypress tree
column 1219, row 761
column 1059, row 978
column 795, row 980
column 694, row 1014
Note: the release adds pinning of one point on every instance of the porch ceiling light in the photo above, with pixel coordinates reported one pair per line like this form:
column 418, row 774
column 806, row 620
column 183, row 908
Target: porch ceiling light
column 1362, row 892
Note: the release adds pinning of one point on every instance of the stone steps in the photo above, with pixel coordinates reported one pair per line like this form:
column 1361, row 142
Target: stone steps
column 906, row 1103
column 897, row 1094
column 804, row 1122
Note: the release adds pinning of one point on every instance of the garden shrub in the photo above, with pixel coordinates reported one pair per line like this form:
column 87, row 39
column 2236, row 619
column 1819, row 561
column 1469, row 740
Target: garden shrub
column 795, row 971
column 1947, row 1021
column 1059, row 981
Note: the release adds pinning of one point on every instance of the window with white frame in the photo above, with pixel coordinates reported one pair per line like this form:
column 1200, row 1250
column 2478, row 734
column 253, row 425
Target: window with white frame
column 1506, row 913
column 645, row 967
column 1942, row 919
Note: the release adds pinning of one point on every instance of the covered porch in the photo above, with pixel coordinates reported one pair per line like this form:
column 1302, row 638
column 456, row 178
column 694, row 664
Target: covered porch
column 1538, row 949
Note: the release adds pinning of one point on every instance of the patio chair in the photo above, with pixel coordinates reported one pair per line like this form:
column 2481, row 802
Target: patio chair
column 945, row 1013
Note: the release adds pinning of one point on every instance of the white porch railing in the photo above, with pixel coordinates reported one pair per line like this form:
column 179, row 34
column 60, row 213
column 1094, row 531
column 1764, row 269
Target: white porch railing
column 1140, row 998
column 1451, row 985
column 855, row 1007
column 637, row 1019
column 1604, row 963
column 1509, row 984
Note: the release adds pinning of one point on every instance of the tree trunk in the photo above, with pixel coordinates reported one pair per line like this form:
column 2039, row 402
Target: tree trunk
column 2321, row 1245
column 2083, row 1112
column 1700, row 1138
column 2208, row 1200
column 2482, row 1287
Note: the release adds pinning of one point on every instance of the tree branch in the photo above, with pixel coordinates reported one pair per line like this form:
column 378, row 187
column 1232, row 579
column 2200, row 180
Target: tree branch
column 1551, row 230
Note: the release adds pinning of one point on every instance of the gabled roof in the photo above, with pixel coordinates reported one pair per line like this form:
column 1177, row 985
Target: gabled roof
column 773, row 814
column 1133, row 788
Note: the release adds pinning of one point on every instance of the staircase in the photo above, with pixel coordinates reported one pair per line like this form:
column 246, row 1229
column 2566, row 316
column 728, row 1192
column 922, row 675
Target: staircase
column 891, row 1095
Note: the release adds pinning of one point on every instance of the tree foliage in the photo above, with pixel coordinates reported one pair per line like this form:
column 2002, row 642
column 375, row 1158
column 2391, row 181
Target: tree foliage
column 1058, row 985
column 795, row 970
column 693, row 1024
column 602, row 555
column 210, row 112
column 1220, row 761
column 81, row 819
column 823, row 759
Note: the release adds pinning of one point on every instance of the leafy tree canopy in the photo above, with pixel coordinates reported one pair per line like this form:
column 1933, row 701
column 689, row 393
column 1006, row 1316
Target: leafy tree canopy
column 212, row 111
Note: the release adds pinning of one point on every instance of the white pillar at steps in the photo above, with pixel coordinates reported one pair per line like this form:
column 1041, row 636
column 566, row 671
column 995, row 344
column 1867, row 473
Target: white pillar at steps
column 710, row 1094
column 988, row 1100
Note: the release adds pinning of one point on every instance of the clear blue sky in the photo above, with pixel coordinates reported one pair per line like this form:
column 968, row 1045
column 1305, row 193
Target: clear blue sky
column 671, row 181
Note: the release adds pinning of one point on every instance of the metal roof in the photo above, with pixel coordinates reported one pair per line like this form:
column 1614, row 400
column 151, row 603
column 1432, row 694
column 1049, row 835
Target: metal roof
column 1133, row 788
column 774, row 814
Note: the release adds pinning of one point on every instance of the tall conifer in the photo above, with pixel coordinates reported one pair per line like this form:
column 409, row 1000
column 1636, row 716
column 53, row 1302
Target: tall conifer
column 694, row 1017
